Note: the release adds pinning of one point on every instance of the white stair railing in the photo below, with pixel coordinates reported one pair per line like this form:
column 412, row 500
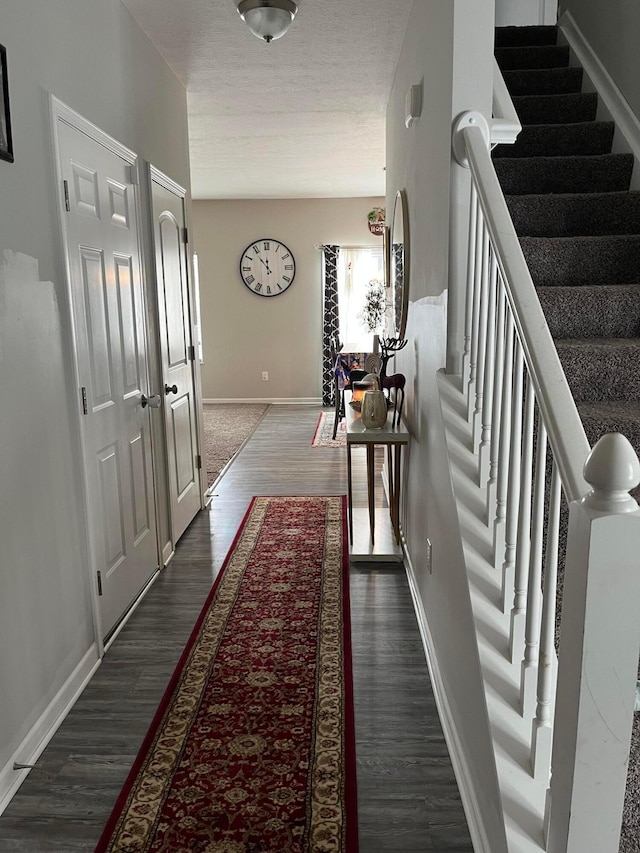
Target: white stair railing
column 532, row 454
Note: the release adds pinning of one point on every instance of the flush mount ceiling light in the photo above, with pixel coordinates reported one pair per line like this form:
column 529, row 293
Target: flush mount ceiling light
column 267, row 19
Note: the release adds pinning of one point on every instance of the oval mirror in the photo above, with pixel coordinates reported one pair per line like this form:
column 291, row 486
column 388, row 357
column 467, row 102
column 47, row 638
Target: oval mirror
column 399, row 264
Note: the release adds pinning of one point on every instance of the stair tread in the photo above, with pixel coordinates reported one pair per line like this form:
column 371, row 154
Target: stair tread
column 601, row 344
column 582, row 291
column 600, row 239
column 591, row 311
column 540, row 81
column 513, row 36
column 562, row 174
column 582, row 197
column 532, row 56
column 555, row 109
column 622, row 410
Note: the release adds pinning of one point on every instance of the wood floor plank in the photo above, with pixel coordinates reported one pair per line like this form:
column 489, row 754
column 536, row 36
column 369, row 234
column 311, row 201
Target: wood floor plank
column 408, row 799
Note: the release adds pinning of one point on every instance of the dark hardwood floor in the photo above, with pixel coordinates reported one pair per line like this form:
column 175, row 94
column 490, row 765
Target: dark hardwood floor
column 408, row 799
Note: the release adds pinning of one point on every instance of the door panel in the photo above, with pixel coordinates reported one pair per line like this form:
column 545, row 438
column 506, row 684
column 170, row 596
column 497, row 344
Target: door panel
column 182, row 440
column 101, row 234
column 175, row 349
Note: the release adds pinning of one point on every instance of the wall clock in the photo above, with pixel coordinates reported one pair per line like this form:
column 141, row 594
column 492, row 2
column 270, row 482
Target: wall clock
column 267, row 267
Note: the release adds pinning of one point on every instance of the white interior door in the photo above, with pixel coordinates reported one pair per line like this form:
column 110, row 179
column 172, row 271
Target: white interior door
column 177, row 351
column 103, row 256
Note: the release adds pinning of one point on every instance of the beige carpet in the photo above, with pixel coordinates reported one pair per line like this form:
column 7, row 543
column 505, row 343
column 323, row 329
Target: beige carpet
column 226, row 427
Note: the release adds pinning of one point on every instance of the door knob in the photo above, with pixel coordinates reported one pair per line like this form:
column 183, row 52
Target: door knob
column 153, row 402
column 170, row 389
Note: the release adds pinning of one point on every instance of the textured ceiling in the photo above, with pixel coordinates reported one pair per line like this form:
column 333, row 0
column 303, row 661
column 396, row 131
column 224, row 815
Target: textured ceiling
column 301, row 117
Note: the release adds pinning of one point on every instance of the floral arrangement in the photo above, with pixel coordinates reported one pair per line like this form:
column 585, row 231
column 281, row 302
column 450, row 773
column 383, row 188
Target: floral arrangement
column 375, row 306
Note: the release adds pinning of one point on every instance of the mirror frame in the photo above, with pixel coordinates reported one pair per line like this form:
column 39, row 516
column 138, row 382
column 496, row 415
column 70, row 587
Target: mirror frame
column 400, row 207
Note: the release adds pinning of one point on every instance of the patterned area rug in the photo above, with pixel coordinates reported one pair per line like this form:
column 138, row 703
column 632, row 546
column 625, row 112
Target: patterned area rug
column 226, row 427
column 324, row 431
column 252, row 748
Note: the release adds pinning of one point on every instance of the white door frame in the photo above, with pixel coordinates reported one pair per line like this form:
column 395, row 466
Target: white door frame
column 60, row 112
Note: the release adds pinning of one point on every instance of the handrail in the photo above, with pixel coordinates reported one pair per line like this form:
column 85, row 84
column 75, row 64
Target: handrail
column 555, row 400
column 505, row 124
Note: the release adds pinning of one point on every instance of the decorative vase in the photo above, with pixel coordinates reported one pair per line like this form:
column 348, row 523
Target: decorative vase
column 374, row 409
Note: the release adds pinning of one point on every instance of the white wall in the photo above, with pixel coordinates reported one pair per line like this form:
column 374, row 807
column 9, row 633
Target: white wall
column 612, row 29
column 93, row 56
column 520, row 13
column 244, row 334
column 449, row 46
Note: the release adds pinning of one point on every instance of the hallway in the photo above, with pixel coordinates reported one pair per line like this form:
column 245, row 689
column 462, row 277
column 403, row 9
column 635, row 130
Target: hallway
column 408, row 799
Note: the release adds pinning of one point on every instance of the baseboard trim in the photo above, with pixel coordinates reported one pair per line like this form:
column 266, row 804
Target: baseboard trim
column 273, row 401
column 615, row 102
column 46, row 726
column 472, row 810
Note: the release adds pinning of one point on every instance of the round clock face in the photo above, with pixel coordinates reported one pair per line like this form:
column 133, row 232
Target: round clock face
column 267, row 267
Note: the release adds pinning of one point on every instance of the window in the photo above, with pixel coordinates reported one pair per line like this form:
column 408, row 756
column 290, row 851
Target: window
column 359, row 270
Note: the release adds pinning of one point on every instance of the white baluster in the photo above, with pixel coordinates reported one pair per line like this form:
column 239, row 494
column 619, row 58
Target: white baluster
column 476, row 424
column 489, row 367
column 513, row 489
column 542, row 725
column 468, row 317
column 500, row 524
column 523, row 549
column 529, row 672
column 492, row 483
column 475, row 318
column 598, row 656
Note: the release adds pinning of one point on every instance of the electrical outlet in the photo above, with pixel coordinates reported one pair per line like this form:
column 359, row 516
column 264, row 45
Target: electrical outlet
column 265, row 375
column 429, row 551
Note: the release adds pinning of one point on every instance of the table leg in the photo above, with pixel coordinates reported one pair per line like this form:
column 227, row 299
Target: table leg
column 391, row 481
column 396, row 492
column 370, row 489
column 350, row 494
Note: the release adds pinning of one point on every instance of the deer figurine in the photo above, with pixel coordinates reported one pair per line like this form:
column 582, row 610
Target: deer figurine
column 388, row 347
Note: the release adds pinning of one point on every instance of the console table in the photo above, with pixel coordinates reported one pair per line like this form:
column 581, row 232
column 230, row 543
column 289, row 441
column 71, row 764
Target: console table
column 394, row 439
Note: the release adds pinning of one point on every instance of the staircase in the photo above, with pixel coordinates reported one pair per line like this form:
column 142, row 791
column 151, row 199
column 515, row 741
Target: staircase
column 579, row 227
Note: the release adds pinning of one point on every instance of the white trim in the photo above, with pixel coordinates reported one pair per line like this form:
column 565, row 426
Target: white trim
column 274, row 401
column 60, row 111
column 472, row 810
column 46, row 726
column 627, row 123
column 158, row 177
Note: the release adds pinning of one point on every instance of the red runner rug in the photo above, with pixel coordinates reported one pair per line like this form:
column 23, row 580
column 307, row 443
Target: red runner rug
column 252, row 748
column 324, row 432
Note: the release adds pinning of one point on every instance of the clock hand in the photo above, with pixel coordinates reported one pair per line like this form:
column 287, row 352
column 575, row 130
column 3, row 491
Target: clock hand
column 266, row 265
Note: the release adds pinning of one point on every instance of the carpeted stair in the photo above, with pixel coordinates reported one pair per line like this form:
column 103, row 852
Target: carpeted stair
column 579, row 227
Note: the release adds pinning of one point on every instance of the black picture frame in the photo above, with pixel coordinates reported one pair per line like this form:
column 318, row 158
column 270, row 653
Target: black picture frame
column 6, row 140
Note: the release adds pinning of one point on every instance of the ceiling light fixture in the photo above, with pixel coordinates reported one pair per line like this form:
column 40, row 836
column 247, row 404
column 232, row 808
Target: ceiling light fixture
column 267, row 19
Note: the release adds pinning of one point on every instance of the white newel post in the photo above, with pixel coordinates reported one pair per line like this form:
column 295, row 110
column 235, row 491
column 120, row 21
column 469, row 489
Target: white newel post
column 597, row 665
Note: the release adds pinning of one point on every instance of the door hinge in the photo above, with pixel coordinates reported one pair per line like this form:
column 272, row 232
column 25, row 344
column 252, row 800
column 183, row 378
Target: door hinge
column 198, row 461
column 67, row 203
column 185, row 235
column 192, row 353
column 133, row 173
column 99, row 582
column 85, row 408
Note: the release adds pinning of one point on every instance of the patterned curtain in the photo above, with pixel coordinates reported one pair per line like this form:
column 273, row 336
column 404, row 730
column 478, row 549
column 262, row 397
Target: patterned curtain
column 330, row 320
column 397, row 277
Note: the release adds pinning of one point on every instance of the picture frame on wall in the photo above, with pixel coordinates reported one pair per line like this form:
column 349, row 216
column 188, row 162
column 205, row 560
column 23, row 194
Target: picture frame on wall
column 6, row 140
